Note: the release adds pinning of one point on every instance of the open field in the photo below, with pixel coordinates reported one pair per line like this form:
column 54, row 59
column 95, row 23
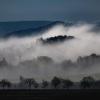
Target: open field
column 46, row 94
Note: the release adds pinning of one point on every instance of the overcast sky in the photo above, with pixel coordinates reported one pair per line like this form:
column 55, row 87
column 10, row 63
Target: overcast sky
column 12, row 10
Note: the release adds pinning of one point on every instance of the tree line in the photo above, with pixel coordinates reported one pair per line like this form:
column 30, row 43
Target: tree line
column 56, row 83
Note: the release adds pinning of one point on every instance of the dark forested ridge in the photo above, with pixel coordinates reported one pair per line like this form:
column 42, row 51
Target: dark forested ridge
column 56, row 39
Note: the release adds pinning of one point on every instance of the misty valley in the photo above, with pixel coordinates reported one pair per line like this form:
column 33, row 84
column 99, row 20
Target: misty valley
column 49, row 55
column 49, row 49
column 82, row 64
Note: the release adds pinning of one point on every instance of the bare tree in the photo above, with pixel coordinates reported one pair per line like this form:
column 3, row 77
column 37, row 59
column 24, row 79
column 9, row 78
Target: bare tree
column 5, row 83
column 28, row 82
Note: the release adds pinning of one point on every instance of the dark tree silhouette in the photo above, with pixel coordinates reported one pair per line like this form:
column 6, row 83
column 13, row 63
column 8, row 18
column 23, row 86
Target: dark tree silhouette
column 21, row 78
column 45, row 59
column 44, row 84
column 3, row 62
column 97, row 84
column 67, row 83
column 87, row 82
column 55, row 81
column 5, row 83
column 28, row 82
column 56, row 39
column 35, row 84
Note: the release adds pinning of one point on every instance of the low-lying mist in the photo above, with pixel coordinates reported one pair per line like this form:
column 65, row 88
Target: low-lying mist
column 21, row 55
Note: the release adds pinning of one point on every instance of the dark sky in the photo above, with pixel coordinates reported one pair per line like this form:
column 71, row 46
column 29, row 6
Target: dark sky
column 73, row 10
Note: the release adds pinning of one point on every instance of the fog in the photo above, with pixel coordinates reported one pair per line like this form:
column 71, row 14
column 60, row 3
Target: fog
column 21, row 53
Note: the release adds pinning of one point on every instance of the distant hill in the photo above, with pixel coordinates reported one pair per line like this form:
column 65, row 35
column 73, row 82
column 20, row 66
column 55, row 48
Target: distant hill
column 10, row 27
column 21, row 29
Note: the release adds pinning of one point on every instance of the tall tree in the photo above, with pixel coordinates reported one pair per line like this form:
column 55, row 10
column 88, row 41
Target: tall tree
column 67, row 83
column 55, row 81
column 87, row 82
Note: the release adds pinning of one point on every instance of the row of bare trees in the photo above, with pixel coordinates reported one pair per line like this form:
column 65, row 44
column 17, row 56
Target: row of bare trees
column 55, row 83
